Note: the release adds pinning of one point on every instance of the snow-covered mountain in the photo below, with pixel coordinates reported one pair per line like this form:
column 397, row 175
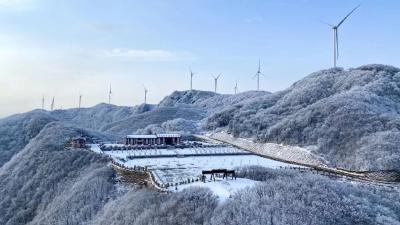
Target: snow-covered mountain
column 17, row 130
column 46, row 184
column 349, row 117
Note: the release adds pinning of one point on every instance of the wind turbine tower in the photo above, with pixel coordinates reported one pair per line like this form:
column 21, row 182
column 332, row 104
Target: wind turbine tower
column 52, row 104
column 258, row 75
column 145, row 94
column 216, row 82
column 191, row 79
column 235, row 88
column 80, row 101
column 335, row 29
column 109, row 95
column 42, row 101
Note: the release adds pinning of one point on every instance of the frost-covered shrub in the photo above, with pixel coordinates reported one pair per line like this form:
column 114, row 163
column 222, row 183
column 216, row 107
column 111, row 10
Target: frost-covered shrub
column 139, row 207
column 179, row 125
column 288, row 197
column 156, row 116
column 283, row 197
column 179, row 98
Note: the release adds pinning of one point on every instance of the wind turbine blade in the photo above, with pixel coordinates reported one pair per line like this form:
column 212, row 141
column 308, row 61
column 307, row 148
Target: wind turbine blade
column 323, row 22
column 218, row 76
column 340, row 23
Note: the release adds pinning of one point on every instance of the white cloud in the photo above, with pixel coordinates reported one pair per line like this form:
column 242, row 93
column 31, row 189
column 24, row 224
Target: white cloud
column 15, row 4
column 146, row 55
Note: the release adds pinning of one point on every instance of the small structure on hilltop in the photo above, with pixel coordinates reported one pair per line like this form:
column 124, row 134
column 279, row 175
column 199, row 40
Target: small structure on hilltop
column 218, row 172
column 78, row 142
column 156, row 139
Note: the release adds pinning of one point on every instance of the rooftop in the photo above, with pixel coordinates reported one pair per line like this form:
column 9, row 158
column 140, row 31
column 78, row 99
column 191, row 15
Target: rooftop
column 141, row 136
column 152, row 135
column 168, row 135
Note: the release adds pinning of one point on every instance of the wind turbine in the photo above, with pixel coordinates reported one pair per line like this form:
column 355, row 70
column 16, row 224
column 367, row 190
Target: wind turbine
column 236, row 88
column 336, row 36
column 109, row 95
column 42, row 101
column 52, row 104
column 191, row 79
column 216, row 82
column 258, row 75
column 80, row 100
column 145, row 94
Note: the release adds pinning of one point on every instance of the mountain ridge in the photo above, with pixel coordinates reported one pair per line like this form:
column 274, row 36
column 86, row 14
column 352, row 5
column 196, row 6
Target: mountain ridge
column 336, row 113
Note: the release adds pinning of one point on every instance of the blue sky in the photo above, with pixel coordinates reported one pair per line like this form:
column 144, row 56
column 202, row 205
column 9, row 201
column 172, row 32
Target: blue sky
column 60, row 48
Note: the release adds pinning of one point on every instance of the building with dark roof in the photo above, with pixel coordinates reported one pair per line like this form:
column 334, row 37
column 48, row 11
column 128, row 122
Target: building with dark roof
column 156, row 139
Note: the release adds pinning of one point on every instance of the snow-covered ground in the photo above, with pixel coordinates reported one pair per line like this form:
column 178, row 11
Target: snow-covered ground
column 95, row 148
column 224, row 189
column 175, row 169
column 171, row 166
column 284, row 152
column 140, row 153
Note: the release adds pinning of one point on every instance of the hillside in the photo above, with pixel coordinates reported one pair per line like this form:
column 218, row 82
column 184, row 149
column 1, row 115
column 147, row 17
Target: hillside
column 17, row 130
column 156, row 116
column 190, row 97
column 349, row 117
column 94, row 117
column 209, row 101
column 47, row 184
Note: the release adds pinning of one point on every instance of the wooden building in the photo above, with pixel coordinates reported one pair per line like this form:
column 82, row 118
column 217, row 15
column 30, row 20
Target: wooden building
column 78, row 142
column 157, row 139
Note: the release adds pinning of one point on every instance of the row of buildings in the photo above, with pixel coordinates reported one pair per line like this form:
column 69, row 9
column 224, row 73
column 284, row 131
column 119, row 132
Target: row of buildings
column 154, row 139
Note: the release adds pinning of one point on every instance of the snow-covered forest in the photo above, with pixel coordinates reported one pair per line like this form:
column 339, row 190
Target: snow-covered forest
column 348, row 117
column 47, row 184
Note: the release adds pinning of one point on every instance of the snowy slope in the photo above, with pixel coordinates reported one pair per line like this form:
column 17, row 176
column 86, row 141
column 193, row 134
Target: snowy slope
column 95, row 117
column 156, row 116
column 209, row 101
column 224, row 189
column 190, row 97
column 349, row 117
column 17, row 130
column 47, row 184
column 278, row 151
